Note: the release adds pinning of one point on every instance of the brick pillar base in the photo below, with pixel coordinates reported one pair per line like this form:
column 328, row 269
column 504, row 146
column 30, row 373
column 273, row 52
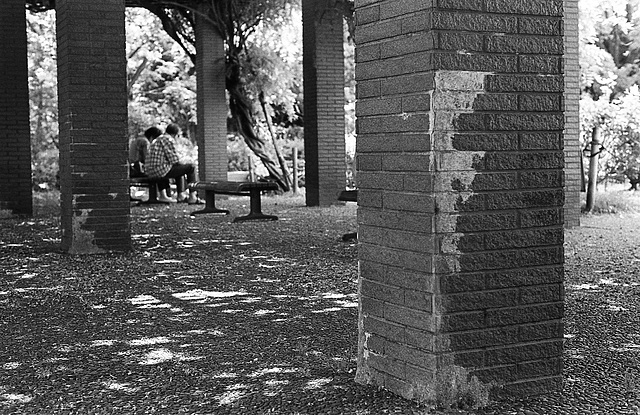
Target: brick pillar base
column 15, row 140
column 212, row 103
column 324, row 100
column 93, row 126
column 460, row 195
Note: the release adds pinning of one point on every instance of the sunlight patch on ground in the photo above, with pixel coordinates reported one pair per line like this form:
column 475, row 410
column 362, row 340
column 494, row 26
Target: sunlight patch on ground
column 263, row 312
column 327, row 310
column 233, row 393
column 145, row 235
column 157, row 356
column 245, row 257
column 144, row 300
column 123, row 387
column 160, row 355
column 273, row 387
column 231, row 311
column 11, row 365
column 27, row 289
column 333, row 295
column 168, row 261
column 198, row 294
column 162, row 305
column 27, row 276
column 347, row 304
column 102, row 343
column 271, row 371
column 584, row 286
column 629, row 347
column 16, row 397
column 574, row 354
column 225, row 375
column 149, row 341
column 317, row 383
column 251, row 300
column 266, row 280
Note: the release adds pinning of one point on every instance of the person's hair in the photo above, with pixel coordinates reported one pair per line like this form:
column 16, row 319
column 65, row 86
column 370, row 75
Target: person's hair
column 173, row 129
column 152, row 133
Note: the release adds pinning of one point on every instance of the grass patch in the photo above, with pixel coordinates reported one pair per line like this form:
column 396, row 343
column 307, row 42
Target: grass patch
column 615, row 201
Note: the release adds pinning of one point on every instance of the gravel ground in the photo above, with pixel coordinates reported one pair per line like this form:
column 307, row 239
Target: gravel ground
column 206, row 316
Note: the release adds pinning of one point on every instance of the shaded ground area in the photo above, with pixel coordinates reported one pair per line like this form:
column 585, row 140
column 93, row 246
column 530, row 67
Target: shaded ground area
column 210, row 317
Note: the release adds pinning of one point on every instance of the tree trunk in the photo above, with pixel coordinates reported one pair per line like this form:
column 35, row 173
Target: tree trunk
column 281, row 160
column 593, row 167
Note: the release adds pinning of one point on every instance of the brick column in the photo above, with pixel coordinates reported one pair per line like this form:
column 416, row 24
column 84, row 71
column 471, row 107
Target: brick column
column 460, row 194
column 15, row 139
column 324, row 100
column 93, row 126
column 212, row 103
column 572, row 151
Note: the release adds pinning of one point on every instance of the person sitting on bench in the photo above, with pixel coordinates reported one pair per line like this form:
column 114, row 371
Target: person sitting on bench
column 138, row 154
column 164, row 162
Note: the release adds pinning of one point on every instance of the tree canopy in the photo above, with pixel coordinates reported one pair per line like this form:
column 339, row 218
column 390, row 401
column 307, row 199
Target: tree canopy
column 609, row 80
column 236, row 21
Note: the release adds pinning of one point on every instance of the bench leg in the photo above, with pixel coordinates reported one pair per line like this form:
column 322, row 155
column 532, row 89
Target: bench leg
column 210, row 206
column 351, row 236
column 256, row 209
column 153, row 196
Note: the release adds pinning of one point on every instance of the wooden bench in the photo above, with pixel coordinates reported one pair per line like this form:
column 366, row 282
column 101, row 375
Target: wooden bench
column 149, row 183
column 349, row 196
column 251, row 189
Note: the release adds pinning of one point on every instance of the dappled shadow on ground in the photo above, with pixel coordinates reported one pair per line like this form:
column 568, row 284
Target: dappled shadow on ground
column 204, row 316
column 210, row 317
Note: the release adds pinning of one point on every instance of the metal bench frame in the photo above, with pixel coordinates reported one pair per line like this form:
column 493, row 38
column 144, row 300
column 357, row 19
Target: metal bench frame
column 251, row 189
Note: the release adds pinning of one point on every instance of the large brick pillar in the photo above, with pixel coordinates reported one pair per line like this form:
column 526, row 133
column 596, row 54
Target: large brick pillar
column 460, row 165
column 15, row 142
column 93, row 125
column 212, row 103
column 572, row 151
column 324, row 100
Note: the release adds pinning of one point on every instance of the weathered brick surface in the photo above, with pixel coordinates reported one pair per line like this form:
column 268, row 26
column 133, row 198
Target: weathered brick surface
column 212, row 103
column 93, row 126
column 573, row 179
column 324, row 131
column 15, row 144
column 460, row 162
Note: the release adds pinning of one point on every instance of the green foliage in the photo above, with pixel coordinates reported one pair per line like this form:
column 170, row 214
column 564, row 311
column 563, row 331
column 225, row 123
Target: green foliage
column 162, row 84
column 609, row 78
column 43, row 98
